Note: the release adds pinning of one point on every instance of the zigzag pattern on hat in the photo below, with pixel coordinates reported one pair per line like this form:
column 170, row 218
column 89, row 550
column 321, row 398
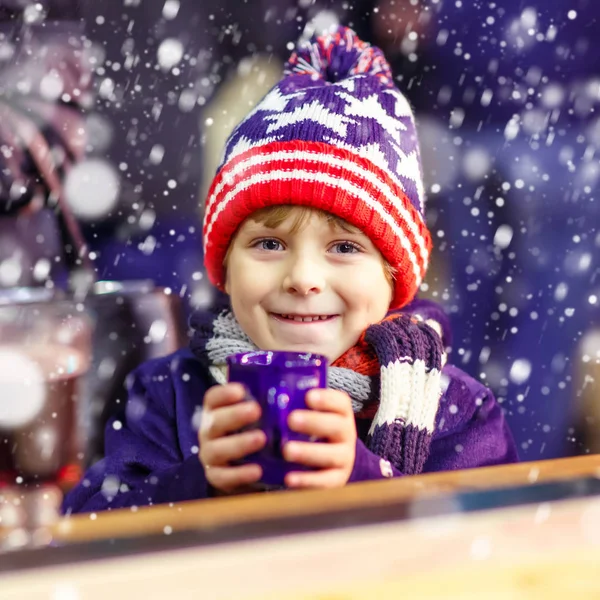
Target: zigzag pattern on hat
column 393, row 118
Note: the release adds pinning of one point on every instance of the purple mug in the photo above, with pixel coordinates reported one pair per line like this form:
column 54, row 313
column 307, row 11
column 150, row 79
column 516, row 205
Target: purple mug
column 278, row 381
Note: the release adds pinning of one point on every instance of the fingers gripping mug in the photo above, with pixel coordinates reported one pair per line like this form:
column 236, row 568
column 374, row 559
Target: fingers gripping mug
column 278, row 381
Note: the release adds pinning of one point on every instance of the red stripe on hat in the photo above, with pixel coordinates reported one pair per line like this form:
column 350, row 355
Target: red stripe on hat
column 318, row 149
column 315, row 169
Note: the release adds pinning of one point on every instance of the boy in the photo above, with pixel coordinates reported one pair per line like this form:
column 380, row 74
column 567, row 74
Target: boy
column 314, row 228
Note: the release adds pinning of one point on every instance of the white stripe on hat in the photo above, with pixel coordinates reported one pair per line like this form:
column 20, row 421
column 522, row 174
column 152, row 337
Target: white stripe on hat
column 335, row 182
column 328, row 159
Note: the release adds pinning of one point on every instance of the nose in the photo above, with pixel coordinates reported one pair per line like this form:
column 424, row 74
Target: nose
column 304, row 276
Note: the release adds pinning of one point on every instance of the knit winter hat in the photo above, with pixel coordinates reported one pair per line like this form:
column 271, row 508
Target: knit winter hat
column 334, row 134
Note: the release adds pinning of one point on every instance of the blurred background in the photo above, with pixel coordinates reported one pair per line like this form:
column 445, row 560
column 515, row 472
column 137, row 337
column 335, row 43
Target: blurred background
column 113, row 115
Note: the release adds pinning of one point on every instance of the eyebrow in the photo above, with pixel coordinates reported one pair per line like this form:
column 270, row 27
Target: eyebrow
column 252, row 227
column 336, row 226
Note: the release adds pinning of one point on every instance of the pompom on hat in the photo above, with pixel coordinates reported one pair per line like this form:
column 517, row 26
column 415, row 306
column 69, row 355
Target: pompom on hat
column 334, row 134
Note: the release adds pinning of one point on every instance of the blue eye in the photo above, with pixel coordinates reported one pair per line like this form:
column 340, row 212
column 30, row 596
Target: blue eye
column 269, row 244
column 345, row 248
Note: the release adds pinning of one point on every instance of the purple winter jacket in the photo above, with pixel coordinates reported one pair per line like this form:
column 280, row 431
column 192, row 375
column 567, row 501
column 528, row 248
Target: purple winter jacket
column 152, row 445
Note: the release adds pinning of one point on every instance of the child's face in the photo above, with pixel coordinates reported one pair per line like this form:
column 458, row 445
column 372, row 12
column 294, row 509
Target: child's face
column 276, row 276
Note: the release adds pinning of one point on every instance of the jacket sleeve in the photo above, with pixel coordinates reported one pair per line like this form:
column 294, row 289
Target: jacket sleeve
column 471, row 432
column 369, row 466
column 481, row 439
column 143, row 461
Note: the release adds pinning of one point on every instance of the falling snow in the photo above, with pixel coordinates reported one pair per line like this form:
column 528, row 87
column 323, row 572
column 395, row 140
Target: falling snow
column 132, row 118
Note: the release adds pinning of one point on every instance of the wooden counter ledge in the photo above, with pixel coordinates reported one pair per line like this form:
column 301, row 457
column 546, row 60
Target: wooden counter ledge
column 212, row 513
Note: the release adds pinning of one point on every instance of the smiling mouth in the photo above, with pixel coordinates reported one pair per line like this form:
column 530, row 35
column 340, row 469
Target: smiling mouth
column 303, row 318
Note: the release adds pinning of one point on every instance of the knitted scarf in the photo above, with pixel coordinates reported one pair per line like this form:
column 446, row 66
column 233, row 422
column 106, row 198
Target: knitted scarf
column 392, row 375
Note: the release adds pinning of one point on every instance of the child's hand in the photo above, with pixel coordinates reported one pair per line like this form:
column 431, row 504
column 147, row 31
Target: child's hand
column 225, row 412
column 331, row 419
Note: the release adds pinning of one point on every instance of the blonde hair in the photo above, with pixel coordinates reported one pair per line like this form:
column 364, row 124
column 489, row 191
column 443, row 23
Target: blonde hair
column 273, row 216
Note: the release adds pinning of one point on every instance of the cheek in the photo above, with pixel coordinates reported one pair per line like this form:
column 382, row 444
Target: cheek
column 369, row 292
column 247, row 291
column 238, row 279
column 242, row 295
